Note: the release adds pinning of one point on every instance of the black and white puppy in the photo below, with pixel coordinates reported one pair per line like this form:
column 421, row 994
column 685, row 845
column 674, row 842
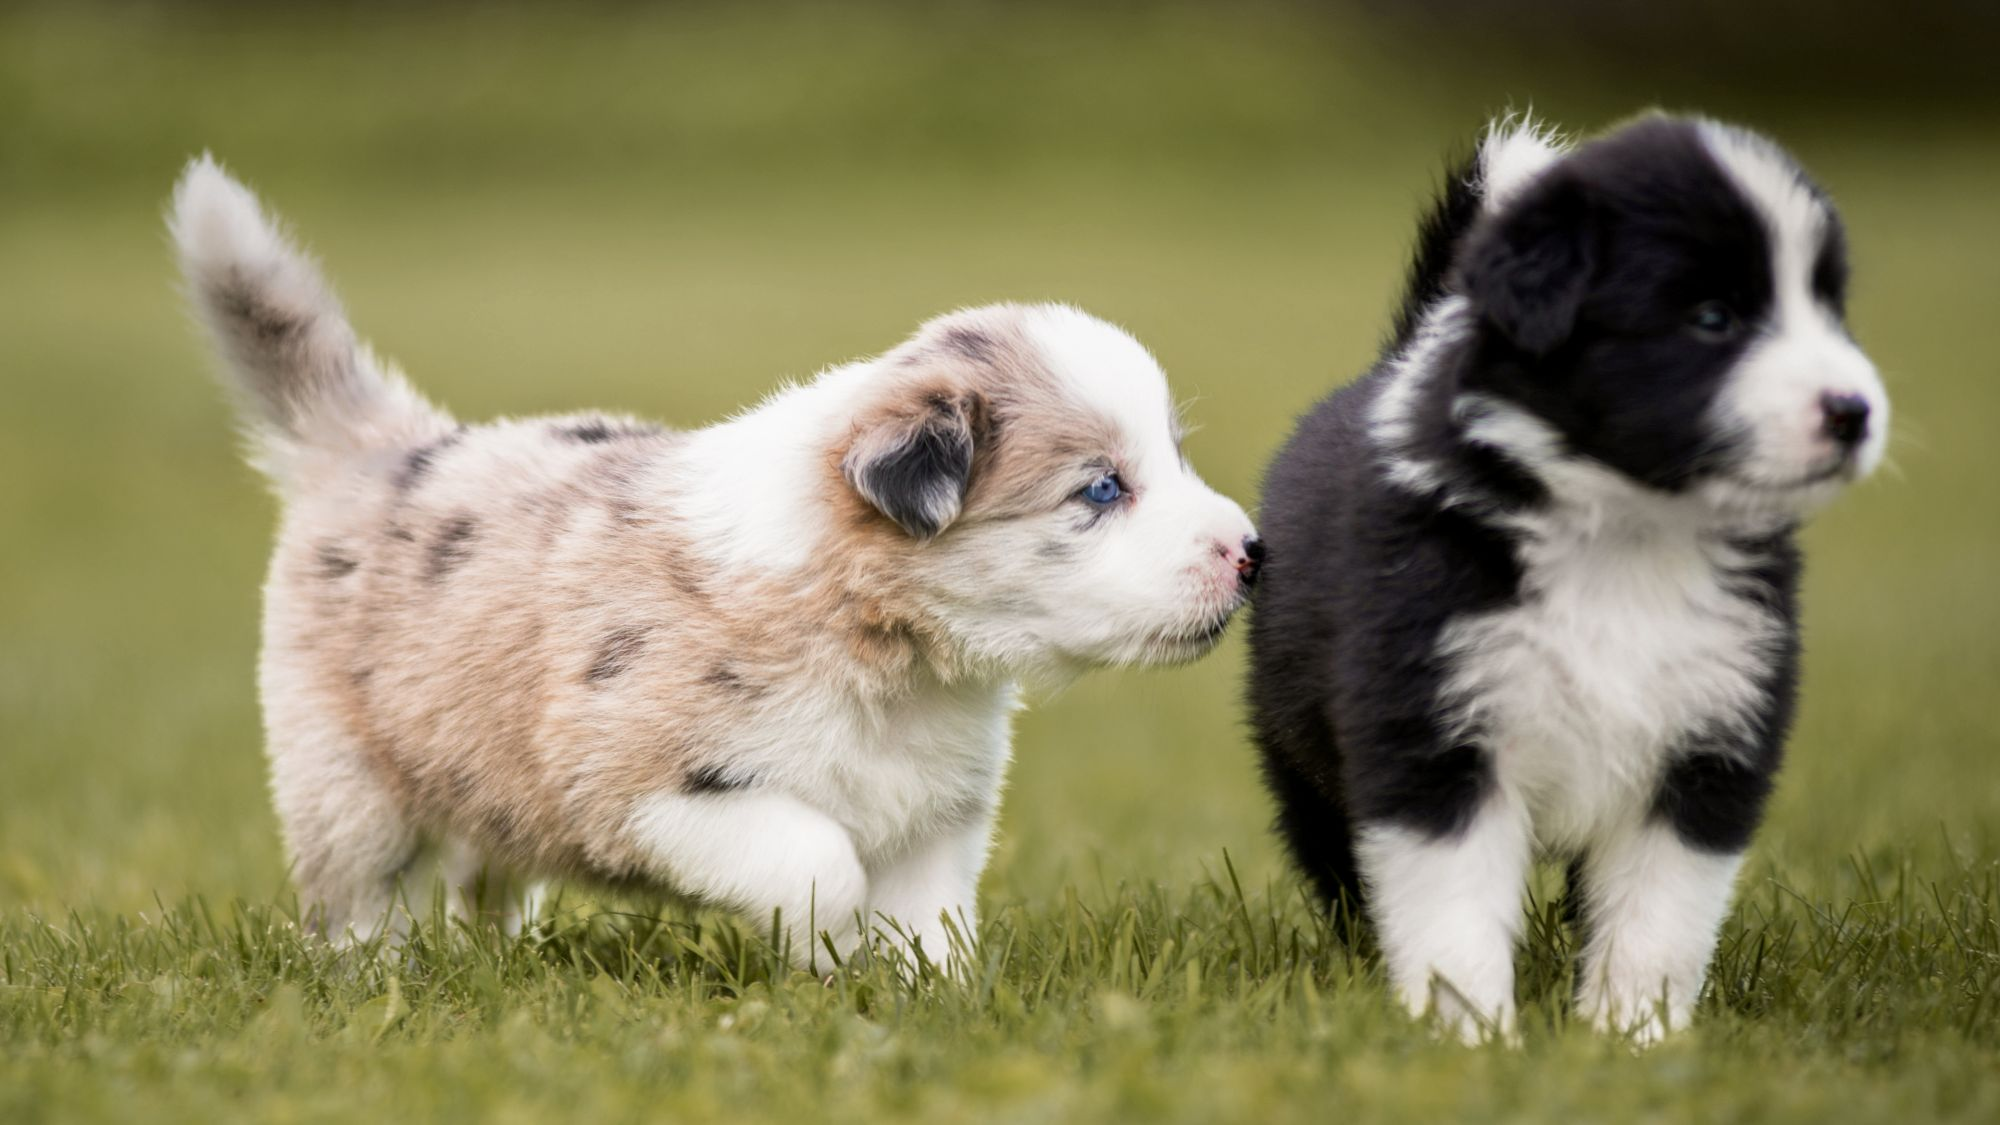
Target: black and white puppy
column 1531, row 580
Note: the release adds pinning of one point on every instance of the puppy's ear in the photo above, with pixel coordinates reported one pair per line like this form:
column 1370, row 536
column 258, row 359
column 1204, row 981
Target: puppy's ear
column 915, row 464
column 1528, row 268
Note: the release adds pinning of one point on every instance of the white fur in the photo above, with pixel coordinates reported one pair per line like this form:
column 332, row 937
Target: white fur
column 1390, row 425
column 1655, row 907
column 762, row 852
column 767, row 453
column 888, row 811
column 218, row 225
column 1626, row 642
column 1775, row 392
column 1514, row 151
column 927, row 900
column 1448, row 910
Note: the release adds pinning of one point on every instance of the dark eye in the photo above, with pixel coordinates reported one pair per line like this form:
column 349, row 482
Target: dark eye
column 1104, row 491
column 1713, row 319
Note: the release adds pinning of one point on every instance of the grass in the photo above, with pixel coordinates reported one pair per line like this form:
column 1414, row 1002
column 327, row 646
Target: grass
column 669, row 213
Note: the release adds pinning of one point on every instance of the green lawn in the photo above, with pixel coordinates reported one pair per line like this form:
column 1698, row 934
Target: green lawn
column 669, row 214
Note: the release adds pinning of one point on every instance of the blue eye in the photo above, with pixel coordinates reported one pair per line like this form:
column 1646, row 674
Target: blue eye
column 1104, row 491
column 1712, row 318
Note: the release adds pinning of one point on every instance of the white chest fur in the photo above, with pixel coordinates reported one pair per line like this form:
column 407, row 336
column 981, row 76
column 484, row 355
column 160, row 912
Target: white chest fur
column 1627, row 640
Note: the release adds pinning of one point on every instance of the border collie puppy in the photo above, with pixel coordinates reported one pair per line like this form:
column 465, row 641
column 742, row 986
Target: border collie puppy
column 768, row 665
column 1531, row 579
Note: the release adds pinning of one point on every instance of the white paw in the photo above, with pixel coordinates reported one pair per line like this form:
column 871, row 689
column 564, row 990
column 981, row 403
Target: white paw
column 1644, row 1019
column 929, row 945
column 1472, row 1019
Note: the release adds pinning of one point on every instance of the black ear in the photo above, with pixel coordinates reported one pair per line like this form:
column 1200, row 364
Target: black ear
column 914, row 466
column 1528, row 268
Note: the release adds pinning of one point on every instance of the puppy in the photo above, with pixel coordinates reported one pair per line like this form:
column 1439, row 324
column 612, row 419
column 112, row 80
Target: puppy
column 1532, row 578
column 768, row 665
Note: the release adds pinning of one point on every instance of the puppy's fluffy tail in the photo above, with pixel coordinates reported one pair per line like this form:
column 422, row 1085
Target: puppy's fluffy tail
column 1514, row 149
column 309, row 392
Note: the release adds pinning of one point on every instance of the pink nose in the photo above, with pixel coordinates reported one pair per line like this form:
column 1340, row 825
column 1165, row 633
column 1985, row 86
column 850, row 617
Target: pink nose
column 1247, row 557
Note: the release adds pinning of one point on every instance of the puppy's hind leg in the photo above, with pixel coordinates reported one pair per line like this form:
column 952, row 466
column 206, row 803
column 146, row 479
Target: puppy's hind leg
column 347, row 830
column 760, row 852
column 1316, row 828
column 478, row 891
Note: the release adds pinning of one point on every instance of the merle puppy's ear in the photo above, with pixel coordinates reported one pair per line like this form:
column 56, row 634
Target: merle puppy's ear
column 1528, row 268
column 915, row 464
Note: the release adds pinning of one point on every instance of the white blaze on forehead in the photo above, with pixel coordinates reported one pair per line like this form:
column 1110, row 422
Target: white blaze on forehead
column 1111, row 373
column 1805, row 352
column 1793, row 214
column 1515, row 150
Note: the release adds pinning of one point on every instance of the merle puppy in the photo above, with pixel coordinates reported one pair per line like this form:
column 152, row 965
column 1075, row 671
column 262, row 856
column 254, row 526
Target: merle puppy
column 769, row 665
column 1531, row 580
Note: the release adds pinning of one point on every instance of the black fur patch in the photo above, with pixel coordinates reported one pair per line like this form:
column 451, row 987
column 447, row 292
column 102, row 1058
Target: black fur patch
column 971, row 344
column 273, row 327
column 615, row 655
column 417, row 464
column 451, row 546
column 1438, row 236
column 711, row 779
column 1714, row 801
column 334, row 561
column 598, row 430
column 920, row 482
column 729, row 681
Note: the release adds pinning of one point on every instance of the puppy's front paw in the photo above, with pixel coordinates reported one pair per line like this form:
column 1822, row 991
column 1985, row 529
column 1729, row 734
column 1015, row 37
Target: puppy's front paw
column 1472, row 1021
column 1643, row 1017
column 917, row 947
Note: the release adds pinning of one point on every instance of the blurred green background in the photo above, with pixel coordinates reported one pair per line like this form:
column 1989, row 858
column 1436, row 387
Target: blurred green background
column 670, row 210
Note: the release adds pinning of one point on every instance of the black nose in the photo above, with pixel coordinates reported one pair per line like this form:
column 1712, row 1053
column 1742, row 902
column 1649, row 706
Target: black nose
column 1846, row 417
column 1253, row 559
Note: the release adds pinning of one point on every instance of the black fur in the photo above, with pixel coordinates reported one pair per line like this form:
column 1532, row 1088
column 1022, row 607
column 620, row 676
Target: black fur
column 932, row 462
column 1579, row 290
column 712, row 779
column 596, row 431
column 615, row 655
column 417, row 464
column 451, row 547
column 970, row 343
column 334, row 561
column 729, row 681
column 1457, row 204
